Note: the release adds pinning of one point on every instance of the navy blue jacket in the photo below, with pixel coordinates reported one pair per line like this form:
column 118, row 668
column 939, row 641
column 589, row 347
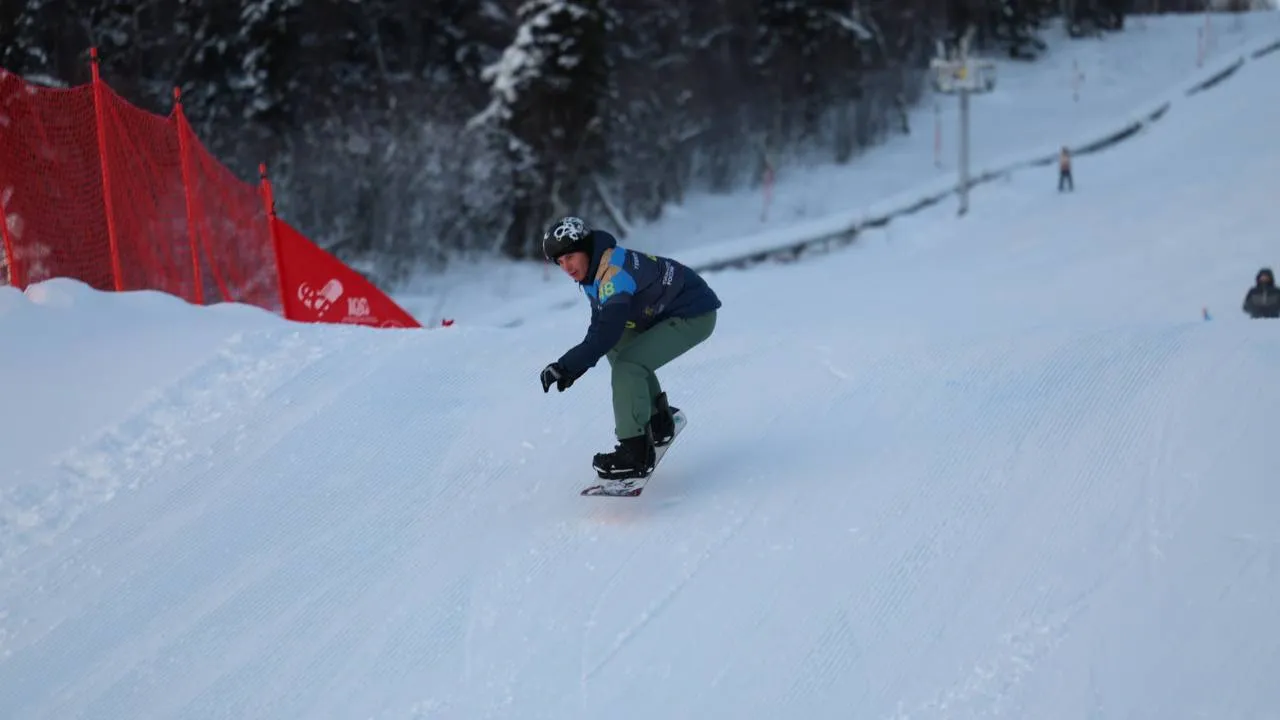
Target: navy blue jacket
column 631, row 290
column 1263, row 301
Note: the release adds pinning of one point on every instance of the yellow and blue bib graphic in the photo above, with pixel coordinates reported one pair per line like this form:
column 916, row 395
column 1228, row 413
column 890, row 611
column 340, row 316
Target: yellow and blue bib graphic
column 612, row 278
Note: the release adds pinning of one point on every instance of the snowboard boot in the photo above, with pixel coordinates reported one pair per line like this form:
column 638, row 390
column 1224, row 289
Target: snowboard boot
column 662, row 424
column 632, row 458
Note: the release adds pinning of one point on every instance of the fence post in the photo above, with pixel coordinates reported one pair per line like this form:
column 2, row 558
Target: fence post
column 937, row 134
column 10, row 263
column 100, row 114
column 268, row 199
column 180, row 124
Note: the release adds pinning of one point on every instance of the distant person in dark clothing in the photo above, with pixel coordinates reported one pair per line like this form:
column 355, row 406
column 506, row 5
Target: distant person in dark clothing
column 1263, row 299
column 1064, row 171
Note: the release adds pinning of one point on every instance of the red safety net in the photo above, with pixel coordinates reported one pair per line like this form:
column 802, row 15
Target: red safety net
column 96, row 189
column 51, row 185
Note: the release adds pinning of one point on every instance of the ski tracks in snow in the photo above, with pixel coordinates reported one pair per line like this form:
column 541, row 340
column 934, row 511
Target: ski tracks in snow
column 657, row 603
column 991, row 506
column 149, row 444
column 177, row 457
column 1116, row 399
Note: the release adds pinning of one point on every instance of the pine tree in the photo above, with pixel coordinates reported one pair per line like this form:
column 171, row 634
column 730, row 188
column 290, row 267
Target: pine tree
column 814, row 53
column 238, row 80
column 28, row 33
column 547, row 97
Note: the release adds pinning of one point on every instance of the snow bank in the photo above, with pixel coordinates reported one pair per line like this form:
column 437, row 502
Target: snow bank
column 76, row 359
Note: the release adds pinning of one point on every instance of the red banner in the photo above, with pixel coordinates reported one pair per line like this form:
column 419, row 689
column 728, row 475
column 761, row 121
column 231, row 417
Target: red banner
column 320, row 288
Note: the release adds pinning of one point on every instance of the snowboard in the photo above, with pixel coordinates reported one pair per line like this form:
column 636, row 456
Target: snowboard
column 632, row 487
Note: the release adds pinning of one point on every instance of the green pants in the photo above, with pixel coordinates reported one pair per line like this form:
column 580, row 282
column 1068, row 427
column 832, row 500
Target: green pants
column 634, row 360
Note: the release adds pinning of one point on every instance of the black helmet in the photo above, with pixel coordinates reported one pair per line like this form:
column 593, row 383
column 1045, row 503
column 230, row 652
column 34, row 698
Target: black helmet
column 568, row 234
column 1266, row 272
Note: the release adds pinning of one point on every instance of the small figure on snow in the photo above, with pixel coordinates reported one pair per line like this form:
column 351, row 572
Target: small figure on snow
column 1263, row 299
column 645, row 312
column 1064, row 171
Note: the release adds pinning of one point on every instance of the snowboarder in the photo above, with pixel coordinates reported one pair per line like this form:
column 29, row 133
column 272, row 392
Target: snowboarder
column 1263, row 299
column 1065, row 181
column 645, row 312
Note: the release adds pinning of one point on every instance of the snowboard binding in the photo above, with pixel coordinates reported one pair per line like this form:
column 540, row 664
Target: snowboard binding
column 626, row 479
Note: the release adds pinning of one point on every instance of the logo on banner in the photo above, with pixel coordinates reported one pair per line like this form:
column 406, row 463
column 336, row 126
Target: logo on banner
column 360, row 312
column 358, row 307
column 326, row 290
column 320, row 301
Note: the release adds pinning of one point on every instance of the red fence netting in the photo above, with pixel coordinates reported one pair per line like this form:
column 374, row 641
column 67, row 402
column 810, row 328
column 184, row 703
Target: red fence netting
column 96, row 189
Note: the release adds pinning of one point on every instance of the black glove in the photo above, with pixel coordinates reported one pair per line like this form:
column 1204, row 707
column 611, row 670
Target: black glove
column 555, row 374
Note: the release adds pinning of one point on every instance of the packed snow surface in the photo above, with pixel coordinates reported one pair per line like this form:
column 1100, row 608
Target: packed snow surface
column 999, row 466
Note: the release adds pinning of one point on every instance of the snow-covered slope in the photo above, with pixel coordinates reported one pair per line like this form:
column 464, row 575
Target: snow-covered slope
column 992, row 468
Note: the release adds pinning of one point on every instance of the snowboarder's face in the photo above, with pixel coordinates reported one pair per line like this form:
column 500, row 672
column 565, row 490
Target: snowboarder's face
column 574, row 264
column 1266, row 279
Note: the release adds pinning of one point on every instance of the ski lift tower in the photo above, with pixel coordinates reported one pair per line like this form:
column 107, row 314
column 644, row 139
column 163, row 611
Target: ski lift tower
column 957, row 73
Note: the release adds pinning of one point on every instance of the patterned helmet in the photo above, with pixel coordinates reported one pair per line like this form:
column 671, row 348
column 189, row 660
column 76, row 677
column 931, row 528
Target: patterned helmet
column 568, row 234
